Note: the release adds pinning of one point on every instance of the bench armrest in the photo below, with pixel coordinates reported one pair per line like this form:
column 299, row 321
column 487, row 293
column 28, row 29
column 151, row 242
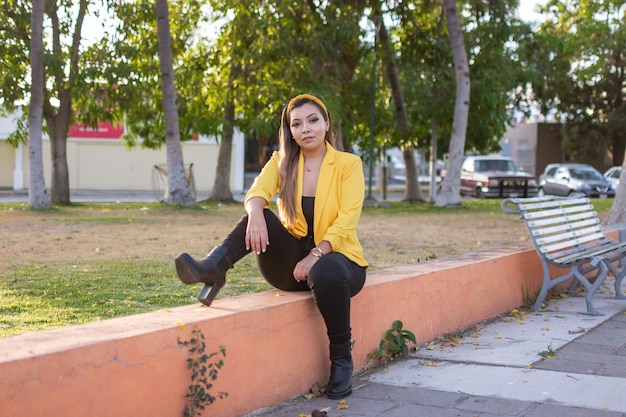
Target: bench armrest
column 614, row 226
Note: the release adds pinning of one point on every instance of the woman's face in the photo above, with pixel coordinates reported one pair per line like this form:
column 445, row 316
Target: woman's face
column 308, row 126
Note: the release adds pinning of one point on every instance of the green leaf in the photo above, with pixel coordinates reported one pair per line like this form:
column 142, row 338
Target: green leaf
column 406, row 334
column 397, row 326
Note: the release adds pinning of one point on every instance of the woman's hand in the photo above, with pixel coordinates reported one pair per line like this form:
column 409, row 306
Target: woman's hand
column 257, row 236
column 302, row 269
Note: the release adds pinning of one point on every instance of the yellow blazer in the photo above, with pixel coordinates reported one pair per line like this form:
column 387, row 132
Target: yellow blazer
column 338, row 200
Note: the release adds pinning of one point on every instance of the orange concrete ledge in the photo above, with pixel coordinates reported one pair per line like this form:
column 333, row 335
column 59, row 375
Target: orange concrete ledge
column 276, row 346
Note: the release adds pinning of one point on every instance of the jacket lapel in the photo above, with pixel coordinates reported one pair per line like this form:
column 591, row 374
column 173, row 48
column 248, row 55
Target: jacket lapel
column 324, row 182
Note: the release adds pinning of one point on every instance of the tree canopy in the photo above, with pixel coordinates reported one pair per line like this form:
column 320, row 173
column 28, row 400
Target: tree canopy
column 236, row 64
column 579, row 74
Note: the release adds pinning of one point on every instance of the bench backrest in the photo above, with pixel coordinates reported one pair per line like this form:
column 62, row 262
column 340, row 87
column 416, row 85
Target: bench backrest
column 560, row 227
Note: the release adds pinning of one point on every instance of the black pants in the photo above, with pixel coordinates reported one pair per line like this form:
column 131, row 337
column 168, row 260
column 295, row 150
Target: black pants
column 334, row 279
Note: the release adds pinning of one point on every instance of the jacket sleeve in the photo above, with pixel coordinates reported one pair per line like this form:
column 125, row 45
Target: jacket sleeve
column 341, row 232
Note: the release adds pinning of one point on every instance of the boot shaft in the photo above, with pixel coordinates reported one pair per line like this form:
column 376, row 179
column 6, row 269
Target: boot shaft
column 339, row 351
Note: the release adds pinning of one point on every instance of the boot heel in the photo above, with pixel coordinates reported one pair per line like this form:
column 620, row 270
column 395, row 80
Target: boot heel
column 208, row 294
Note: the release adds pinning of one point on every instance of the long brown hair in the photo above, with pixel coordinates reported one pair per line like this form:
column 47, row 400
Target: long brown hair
column 289, row 153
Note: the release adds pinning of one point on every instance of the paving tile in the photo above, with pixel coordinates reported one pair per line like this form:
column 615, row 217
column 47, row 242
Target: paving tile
column 579, row 367
column 374, row 391
column 427, row 411
column 503, row 406
column 351, row 406
column 619, row 318
column 618, row 371
column 423, row 396
column 551, row 410
column 583, row 347
column 571, row 355
column 608, row 337
column 364, row 407
column 621, row 351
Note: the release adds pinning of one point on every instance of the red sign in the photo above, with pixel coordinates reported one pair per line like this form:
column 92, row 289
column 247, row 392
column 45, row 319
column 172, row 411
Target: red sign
column 105, row 130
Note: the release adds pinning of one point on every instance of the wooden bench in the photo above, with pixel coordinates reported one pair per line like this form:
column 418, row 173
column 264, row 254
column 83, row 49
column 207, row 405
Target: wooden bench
column 567, row 233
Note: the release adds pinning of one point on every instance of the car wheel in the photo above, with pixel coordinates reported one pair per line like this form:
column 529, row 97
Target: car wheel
column 479, row 193
column 541, row 192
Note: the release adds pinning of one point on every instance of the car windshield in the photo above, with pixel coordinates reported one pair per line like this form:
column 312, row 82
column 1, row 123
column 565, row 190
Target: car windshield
column 585, row 174
column 495, row 165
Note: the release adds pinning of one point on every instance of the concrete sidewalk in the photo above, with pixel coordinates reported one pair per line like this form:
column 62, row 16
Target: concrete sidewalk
column 561, row 363
column 99, row 196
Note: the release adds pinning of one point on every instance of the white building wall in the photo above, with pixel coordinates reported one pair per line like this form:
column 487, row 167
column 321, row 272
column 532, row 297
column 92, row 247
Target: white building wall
column 106, row 164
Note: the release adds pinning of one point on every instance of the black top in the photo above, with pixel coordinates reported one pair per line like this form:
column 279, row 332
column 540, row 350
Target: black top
column 308, row 204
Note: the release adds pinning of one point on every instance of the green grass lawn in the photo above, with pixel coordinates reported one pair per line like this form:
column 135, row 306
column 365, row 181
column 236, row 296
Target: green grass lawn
column 41, row 296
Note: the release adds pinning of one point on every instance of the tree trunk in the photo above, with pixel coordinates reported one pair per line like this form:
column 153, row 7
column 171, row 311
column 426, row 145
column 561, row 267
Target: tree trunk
column 617, row 214
column 221, row 187
column 37, row 196
column 339, row 137
column 58, row 120
column 57, row 128
column 263, row 152
column 178, row 187
column 450, row 194
column 412, row 191
column 434, row 138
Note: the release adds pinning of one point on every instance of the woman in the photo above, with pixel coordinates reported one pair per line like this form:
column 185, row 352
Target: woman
column 312, row 244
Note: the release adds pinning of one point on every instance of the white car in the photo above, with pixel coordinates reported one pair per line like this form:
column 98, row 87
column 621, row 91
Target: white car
column 612, row 174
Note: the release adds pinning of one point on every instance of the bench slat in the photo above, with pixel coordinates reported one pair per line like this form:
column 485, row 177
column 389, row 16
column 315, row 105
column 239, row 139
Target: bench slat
column 550, row 202
column 559, row 233
column 538, row 232
column 572, row 242
column 558, row 220
column 556, row 212
column 600, row 252
column 556, row 255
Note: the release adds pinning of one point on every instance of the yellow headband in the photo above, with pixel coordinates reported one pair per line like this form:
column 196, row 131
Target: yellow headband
column 306, row 96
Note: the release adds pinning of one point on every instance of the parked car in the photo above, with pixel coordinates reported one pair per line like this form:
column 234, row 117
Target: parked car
column 612, row 174
column 495, row 176
column 567, row 179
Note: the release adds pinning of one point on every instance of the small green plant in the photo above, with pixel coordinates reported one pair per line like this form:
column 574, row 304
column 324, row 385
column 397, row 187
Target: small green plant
column 394, row 343
column 204, row 368
column 548, row 353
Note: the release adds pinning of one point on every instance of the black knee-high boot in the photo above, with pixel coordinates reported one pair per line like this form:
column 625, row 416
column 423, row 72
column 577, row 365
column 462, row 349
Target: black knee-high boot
column 210, row 270
column 341, row 367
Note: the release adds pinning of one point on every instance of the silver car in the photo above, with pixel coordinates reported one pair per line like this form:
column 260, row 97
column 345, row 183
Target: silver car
column 567, row 179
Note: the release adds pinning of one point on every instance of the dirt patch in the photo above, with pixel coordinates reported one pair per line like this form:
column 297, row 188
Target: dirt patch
column 100, row 232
